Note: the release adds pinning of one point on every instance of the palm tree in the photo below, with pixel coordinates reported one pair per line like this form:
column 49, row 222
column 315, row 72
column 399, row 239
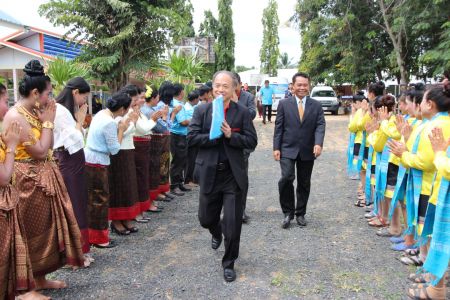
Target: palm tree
column 61, row 71
column 284, row 62
column 184, row 69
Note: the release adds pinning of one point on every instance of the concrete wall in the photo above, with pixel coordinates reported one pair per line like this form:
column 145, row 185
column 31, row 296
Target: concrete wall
column 8, row 28
column 13, row 59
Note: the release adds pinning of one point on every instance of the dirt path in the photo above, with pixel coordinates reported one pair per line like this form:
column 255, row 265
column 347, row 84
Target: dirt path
column 336, row 257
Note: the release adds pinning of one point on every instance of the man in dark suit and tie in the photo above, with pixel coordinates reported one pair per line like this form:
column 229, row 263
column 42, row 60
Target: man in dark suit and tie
column 247, row 100
column 297, row 141
column 220, row 168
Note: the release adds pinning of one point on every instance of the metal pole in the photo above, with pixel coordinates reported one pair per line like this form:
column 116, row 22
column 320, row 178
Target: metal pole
column 15, row 86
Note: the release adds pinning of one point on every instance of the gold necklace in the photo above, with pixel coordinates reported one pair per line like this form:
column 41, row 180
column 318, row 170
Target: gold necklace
column 29, row 117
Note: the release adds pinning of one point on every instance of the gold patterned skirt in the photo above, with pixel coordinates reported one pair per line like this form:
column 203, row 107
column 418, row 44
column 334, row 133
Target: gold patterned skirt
column 51, row 229
column 15, row 267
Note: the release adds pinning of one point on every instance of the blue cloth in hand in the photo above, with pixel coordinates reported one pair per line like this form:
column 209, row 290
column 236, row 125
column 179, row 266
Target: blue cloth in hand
column 218, row 116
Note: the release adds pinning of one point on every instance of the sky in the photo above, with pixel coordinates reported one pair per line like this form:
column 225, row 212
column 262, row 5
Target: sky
column 247, row 24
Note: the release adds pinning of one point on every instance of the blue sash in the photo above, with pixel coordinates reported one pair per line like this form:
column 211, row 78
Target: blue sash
column 351, row 170
column 376, row 203
column 400, row 188
column 381, row 179
column 414, row 186
column 368, row 188
column 439, row 253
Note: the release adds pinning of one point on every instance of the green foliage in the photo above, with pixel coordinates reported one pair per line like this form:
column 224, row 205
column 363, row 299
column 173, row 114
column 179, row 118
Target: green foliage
column 356, row 42
column 240, row 69
column 269, row 51
column 225, row 37
column 284, row 62
column 123, row 36
column 61, row 71
column 183, row 69
column 187, row 30
column 209, row 26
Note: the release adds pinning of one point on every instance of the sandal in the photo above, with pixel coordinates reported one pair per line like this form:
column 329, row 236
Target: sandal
column 142, row 220
column 412, row 251
column 419, row 278
column 402, row 247
column 361, row 203
column 397, row 239
column 411, row 261
column 384, row 232
column 418, row 294
column 379, row 222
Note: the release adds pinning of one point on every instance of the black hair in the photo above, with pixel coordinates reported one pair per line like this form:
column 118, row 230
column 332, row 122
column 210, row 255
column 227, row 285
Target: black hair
column 378, row 103
column 204, row 89
column 388, row 101
column 65, row 98
column 209, row 83
column 131, row 89
column 2, row 89
column 447, row 74
column 238, row 78
column 34, row 78
column 300, row 74
column 377, row 88
column 154, row 94
column 166, row 92
column 178, row 88
column 117, row 101
column 441, row 97
column 193, row 95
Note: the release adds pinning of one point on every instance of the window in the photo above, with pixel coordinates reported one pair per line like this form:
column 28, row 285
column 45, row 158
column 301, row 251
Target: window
column 323, row 94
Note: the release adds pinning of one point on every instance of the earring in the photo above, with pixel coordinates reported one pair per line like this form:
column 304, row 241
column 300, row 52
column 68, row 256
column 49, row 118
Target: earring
column 36, row 103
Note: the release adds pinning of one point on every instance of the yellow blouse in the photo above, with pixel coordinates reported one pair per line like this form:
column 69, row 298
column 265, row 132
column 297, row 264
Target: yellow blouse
column 21, row 152
column 442, row 164
column 354, row 128
column 387, row 130
column 424, row 158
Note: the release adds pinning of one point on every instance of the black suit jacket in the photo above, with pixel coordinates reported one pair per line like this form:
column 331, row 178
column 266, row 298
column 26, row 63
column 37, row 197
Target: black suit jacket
column 247, row 100
column 294, row 138
column 243, row 137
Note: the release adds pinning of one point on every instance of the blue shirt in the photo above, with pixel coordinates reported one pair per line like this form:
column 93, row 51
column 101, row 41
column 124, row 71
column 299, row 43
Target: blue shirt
column 145, row 110
column 189, row 108
column 161, row 125
column 102, row 139
column 266, row 95
column 181, row 116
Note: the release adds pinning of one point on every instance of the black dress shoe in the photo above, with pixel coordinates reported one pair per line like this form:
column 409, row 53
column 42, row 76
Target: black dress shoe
column 177, row 192
column 229, row 275
column 215, row 242
column 286, row 222
column 301, row 221
column 184, row 188
column 245, row 218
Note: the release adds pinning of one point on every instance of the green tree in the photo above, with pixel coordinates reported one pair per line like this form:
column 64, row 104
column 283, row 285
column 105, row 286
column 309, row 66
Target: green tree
column 269, row 52
column 122, row 36
column 240, row 69
column 186, row 14
column 209, row 26
column 225, row 37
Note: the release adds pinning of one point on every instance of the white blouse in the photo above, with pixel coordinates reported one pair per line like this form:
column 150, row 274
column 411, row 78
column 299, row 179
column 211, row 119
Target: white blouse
column 144, row 125
column 127, row 139
column 65, row 133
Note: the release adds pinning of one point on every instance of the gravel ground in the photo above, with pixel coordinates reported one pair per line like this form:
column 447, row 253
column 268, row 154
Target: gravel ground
column 337, row 256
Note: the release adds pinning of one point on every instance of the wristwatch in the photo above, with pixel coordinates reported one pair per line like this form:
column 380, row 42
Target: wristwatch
column 9, row 150
column 48, row 125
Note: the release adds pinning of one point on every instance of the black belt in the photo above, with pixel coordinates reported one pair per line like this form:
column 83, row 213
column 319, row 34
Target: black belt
column 223, row 166
column 59, row 149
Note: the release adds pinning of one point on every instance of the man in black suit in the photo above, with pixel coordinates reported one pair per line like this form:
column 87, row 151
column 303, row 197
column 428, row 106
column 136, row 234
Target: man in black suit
column 298, row 140
column 247, row 100
column 220, row 168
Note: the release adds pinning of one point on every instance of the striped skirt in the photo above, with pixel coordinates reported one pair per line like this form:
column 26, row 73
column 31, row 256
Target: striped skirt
column 142, row 160
column 164, row 182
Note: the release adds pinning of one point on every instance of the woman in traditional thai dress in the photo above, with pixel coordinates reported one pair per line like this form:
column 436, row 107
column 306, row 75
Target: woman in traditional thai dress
column 71, row 109
column 104, row 138
column 51, row 230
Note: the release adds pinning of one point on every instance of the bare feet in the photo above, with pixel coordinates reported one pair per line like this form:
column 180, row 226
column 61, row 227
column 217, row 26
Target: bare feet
column 44, row 284
column 33, row 295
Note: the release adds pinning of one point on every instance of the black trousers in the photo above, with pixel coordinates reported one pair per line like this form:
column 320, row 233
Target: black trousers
column 267, row 110
column 178, row 149
column 190, row 165
column 227, row 194
column 286, row 186
column 245, row 191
